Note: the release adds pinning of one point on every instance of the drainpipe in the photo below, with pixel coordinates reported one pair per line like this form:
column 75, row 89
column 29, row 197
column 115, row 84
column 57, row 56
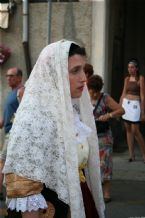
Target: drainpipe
column 49, row 20
column 25, row 37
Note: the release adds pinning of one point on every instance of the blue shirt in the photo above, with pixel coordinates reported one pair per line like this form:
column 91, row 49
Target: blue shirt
column 10, row 109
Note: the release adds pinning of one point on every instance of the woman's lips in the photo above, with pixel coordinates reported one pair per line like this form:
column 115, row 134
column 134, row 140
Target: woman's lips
column 81, row 88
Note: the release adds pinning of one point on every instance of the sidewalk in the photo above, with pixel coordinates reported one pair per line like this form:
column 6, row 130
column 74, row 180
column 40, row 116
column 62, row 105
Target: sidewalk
column 124, row 170
column 128, row 187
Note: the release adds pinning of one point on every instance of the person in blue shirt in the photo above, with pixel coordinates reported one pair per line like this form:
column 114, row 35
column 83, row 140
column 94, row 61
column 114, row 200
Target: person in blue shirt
column 14, row 80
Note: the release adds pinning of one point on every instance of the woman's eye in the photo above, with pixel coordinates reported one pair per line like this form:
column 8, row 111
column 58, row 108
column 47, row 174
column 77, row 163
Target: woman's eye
column 76, row 70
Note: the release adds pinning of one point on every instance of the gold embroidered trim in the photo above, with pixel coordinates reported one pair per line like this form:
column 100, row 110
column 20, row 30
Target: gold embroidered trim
column 17, row 186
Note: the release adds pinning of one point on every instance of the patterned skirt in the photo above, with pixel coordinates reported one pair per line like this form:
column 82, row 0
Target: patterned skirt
column 106, row 163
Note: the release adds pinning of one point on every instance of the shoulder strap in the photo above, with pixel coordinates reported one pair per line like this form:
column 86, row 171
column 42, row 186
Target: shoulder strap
column 98, row 102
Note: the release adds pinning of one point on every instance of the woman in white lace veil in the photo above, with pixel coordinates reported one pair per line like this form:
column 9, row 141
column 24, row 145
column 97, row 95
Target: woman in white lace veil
column 43, row 148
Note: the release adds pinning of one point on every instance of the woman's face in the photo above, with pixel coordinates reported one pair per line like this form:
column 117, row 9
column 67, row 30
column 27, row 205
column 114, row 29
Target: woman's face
column 93, row 94
column 77, row 75
column 132, row 69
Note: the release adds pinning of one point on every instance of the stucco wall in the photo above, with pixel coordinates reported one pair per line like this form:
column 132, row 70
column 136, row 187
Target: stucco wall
column 69, row 20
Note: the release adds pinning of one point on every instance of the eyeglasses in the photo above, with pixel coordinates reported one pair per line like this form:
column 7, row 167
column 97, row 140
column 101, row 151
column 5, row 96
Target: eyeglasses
column 11, row 75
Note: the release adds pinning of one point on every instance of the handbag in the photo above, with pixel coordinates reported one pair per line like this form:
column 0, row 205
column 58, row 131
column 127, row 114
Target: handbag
column 101, row 126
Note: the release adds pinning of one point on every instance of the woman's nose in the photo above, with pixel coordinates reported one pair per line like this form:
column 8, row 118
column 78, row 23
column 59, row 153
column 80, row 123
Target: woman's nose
column 83, row 76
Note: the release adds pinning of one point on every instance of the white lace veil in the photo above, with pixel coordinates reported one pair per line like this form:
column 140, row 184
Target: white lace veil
column 41, row 145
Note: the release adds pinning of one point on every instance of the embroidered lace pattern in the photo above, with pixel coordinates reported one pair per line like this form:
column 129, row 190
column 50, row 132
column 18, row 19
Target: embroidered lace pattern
column 41, row 145
column 30, row 203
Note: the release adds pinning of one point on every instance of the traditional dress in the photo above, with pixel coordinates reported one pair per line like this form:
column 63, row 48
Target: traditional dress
column 43, row 146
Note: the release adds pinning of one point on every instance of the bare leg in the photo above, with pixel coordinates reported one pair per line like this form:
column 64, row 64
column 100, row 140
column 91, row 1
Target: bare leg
column 107, row 188
column 139, row 138
column 130, row 139
column 32, row 214
column 1, row 174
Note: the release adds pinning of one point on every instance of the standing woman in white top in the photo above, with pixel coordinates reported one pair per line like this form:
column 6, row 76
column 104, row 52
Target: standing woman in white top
column 132, row 99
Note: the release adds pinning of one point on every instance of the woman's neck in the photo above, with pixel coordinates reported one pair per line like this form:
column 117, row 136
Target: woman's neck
column 133, row 78
column 96, row 96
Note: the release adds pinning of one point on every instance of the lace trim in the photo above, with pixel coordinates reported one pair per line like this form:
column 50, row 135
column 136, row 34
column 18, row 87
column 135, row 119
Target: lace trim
column 33, row 202
column 81, row 129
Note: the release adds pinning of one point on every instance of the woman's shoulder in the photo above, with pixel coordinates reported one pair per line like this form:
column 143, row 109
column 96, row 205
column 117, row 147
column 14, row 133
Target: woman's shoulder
column 141, row 80
column 126, row 79
column 141, row 77
column 105, row 94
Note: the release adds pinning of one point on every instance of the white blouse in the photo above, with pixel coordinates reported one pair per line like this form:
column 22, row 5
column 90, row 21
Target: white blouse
column 82, row 132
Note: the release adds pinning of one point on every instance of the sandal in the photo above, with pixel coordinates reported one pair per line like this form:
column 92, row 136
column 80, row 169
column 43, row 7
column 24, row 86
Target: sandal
column 131, row 159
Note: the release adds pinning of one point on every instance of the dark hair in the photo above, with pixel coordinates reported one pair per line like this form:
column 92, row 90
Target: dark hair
column 89, row 71
column 19, row 72
column 95, row 83
column 136, row 64
column 76, row 49
column 134, row 61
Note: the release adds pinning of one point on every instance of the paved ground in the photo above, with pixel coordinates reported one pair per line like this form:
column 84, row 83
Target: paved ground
column 128, row 187
column 124, row 170
column 128, row 200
